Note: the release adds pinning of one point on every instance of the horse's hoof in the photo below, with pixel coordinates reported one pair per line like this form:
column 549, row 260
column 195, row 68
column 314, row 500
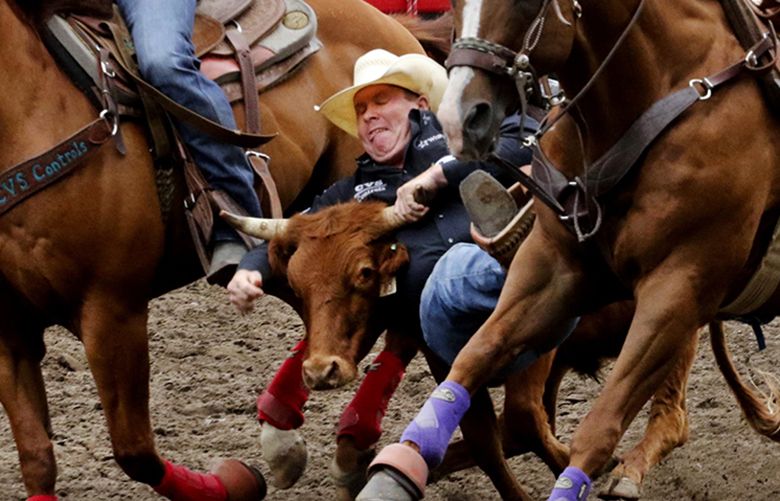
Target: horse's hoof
column 242, row 481
column 286, row 455
column 398, row 473
column 621, row 488
column 350, row 482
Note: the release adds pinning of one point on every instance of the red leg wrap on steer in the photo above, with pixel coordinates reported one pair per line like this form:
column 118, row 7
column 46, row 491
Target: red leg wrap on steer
column 181, row 484
column 282, row 402
column 362, row 419
column 42, row 497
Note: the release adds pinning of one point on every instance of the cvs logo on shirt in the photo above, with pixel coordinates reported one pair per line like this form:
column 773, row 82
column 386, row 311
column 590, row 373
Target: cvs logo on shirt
column 364, row 190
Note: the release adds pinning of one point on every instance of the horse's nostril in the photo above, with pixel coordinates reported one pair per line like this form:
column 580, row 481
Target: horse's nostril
column 478, row 120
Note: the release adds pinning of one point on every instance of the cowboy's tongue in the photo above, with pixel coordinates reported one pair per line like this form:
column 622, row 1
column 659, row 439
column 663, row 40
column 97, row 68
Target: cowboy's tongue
column 383, row 140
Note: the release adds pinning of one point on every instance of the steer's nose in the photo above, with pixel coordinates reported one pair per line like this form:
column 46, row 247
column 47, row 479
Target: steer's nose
column 325, row 373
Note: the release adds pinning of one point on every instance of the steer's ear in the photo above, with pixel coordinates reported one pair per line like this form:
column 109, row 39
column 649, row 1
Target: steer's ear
column 280, row 250
column 391, row 258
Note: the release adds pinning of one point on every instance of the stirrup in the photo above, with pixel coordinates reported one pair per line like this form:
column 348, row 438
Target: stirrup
column 224, row 262
column 504, row 245
column 489, row 204
column 497, row 226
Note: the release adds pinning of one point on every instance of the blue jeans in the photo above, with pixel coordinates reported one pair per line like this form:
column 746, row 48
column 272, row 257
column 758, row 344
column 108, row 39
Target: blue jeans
column 460, row 294
column 162, row 35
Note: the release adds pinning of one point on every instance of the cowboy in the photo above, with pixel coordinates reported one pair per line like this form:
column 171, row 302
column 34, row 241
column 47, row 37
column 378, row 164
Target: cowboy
column 390, row 109
column 162, row 35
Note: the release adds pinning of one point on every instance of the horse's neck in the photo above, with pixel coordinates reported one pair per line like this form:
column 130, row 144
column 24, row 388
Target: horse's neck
column 671, row 42
column 37, row 101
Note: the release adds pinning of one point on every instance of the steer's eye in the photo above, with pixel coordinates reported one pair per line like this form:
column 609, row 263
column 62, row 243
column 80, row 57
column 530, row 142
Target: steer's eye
column 366, row 273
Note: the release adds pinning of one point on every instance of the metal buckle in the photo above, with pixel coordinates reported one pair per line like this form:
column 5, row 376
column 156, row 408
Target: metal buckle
column 703, row 88
column 106, row 68
column 751, row 58
column 529, row 141
column 189, row 202
column 111, row 119
column 259, row 154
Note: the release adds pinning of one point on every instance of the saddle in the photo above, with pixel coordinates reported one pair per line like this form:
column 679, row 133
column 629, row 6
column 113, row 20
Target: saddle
column 752, row 20
column 245, row 46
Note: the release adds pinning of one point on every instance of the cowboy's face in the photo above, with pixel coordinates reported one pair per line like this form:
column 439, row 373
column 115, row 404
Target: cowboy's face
column 383, row 121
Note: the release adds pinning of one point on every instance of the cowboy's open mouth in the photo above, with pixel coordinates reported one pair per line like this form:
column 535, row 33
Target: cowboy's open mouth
column 372, row 133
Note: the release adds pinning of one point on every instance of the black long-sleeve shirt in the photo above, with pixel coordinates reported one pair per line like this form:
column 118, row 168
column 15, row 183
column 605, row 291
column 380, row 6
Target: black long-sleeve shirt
column 447, row 221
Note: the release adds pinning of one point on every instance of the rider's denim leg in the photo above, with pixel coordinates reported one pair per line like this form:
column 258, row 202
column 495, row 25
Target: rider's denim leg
column 162, row 34
column 460, row 294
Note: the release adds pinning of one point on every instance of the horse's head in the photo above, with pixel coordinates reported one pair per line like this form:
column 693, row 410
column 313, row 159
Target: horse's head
column 338, row 261
column 501, row 48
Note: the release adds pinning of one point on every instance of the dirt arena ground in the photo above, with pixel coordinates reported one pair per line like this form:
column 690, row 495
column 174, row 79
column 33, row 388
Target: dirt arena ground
column 208, row 365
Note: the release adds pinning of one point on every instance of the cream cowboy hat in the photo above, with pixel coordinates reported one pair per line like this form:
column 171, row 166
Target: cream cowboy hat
column 415, row 72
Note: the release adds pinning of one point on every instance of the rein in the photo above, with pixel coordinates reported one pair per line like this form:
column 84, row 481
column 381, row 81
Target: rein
column 29, row 177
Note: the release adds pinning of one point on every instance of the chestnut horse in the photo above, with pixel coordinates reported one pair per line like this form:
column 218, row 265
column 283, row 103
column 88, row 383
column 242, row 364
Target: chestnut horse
column 90, row 251
column 654, row 233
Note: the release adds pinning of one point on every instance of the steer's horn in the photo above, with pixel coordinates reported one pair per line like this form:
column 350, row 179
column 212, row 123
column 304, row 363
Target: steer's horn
column 258, row 227
column 392, row 220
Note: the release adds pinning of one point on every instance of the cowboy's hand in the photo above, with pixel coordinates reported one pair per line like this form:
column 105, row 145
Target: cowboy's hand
column 412, row 197
column 244, row 288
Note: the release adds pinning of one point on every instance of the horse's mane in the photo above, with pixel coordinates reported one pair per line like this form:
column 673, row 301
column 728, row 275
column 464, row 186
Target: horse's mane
column 40, row 10
column 435, row 35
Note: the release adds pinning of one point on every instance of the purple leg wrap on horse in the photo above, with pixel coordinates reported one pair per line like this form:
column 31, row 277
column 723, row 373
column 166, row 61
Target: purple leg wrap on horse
column 434, row 425
column 572, row 485
column 42, row 497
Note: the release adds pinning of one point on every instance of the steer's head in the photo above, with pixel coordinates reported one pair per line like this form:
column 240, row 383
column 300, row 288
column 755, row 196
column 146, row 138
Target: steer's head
column 338, row 261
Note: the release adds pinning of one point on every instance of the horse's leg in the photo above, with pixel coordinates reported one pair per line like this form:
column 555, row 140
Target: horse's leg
column 527, row 423
column 115, row 339
column 360, row 423
column 481, row 445
column 23, row 396
column 667, row 429
column 664, row 324
column 543, row 288
column 481, row 433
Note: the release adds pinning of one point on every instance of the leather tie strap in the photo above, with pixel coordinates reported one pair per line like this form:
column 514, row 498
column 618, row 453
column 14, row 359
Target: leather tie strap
column 248, row 86
column 252, row 117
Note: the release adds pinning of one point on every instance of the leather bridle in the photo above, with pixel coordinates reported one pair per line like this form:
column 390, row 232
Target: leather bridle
column 500, row 60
